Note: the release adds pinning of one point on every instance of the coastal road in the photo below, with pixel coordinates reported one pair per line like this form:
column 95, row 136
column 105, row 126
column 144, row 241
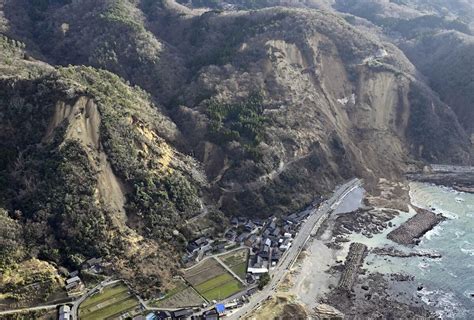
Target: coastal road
column 299, row 241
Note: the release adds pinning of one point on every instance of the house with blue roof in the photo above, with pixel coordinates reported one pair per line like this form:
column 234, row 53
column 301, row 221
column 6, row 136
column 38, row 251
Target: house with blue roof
column 220, row 308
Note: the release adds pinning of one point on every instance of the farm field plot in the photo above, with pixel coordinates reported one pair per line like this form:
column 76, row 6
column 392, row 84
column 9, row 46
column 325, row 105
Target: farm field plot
column 212, row 281
column 237, row 262
column 204, row 271
column 181, row 296
column 219, row 287
column 111, row 303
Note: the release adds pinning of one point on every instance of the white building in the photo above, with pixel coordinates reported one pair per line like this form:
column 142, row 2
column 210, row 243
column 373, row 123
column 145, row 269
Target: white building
column 257, row 271
column 64, row 312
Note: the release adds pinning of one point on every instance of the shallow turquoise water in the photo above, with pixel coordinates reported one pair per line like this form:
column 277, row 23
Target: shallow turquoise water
column 447, row 282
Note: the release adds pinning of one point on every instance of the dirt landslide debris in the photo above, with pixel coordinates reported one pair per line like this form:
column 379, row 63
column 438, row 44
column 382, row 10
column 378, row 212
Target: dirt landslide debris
column 367, row 221
column 415, row 227
column 325, row 311
column 282, row 307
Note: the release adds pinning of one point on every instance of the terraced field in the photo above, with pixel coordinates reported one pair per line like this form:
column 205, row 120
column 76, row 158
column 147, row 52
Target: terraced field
column 182, row 295
column 237, row 262
column 111, row 303
column 204, row 271
column 212, row 281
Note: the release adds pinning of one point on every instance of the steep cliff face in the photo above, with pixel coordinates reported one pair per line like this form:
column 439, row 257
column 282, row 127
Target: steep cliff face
column 91, row 163
column 336, row 103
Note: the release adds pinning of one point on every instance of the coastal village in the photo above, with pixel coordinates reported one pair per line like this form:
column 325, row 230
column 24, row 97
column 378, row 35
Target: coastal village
column 227, row 276
column 266, row 239
column 250, row 249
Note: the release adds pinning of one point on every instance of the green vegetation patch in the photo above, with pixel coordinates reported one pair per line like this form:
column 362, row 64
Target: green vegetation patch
column 241, row 121
column 223, row 290
column 112, row 301
column 105, row 294
column 115, row 309
column 204, row 271
column 240, row 269
column 119, row 12
column 235, row 257
column 237, row 262
column 181, row 297
column 214, row 282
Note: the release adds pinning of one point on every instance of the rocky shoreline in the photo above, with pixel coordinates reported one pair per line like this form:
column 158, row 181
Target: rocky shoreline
column 462, row 182
column 463, row 189
column 415, row 227
column 364, row 294
column 366, row 221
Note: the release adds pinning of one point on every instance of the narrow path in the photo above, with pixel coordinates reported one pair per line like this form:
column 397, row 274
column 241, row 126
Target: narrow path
column 230, row 270
column 216, row 255
column 46, row 307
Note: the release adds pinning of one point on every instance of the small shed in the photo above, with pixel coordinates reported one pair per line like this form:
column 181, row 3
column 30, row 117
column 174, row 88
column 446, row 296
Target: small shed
column 151, row 316
column 73, row 279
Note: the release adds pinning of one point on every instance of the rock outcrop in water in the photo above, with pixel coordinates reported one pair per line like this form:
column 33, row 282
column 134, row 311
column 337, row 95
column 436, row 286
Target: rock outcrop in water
column 415, row 227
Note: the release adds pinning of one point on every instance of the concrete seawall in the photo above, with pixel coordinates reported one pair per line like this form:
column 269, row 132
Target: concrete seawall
column 353, row 262
column 415, row 227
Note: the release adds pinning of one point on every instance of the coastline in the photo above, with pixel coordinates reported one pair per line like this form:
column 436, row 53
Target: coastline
column 462, row 182
column 317, row 275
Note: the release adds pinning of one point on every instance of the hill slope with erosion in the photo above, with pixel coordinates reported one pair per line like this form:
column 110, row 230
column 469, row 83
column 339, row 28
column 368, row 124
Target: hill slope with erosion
column 253, row 112
column 431, row 33
column 323, row 83
column 91, row 163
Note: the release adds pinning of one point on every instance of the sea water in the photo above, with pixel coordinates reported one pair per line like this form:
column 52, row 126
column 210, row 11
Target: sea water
column 447, row 283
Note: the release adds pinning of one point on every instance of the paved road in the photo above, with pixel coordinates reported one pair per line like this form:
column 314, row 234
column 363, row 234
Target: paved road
column 75, row 307
column 298, row 243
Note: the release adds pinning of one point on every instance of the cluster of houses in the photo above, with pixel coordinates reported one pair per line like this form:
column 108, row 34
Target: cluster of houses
column 268, row 240
column 74, row 285
column 268, row 244
column 218, row 311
